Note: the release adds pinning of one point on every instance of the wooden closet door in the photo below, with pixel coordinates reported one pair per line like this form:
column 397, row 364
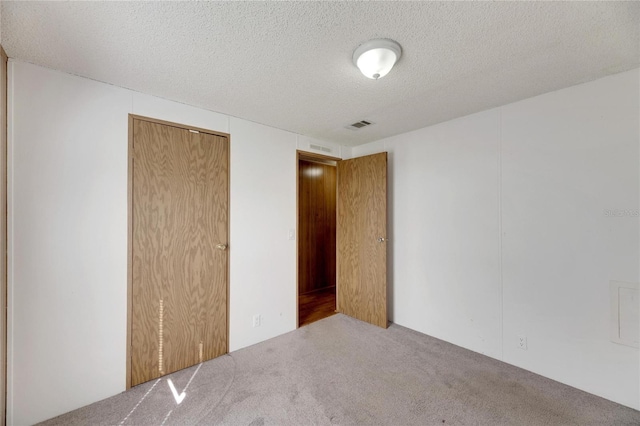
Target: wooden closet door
column 362, row 238
column 179, row 258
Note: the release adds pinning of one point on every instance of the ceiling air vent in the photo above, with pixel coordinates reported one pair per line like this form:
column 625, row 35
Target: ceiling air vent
column 320, row 148
column 359, row 125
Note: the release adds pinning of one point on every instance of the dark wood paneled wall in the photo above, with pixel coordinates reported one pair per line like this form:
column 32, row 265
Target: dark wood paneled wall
column 317, row 226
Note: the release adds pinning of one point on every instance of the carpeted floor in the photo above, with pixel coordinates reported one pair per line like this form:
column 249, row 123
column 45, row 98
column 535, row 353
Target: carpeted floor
column 343, row 371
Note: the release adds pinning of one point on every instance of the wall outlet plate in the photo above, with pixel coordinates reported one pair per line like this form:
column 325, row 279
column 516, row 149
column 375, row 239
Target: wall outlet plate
column 257, row 319
column 522, row 342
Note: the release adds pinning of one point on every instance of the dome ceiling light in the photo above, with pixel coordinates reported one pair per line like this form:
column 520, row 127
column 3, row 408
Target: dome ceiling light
column 375, row 58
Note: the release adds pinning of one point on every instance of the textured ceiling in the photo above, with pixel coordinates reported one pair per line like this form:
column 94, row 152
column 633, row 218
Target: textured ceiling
column 288, row 64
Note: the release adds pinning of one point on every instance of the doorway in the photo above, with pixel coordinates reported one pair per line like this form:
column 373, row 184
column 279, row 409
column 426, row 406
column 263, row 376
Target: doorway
column 342, row 237
column 317, row 178
column 178, row 259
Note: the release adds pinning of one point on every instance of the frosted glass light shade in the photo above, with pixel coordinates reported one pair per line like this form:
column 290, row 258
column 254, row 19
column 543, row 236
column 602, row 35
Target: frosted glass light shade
column 375, row 58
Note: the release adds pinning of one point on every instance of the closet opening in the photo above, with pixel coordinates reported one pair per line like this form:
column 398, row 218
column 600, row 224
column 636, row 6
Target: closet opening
column 317, row 182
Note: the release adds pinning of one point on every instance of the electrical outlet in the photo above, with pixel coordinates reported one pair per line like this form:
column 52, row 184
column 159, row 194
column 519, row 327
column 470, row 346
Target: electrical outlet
column 257, row 319
column 522, row 342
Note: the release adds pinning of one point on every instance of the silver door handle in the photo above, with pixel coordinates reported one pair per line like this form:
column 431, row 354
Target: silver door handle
column 221, row 246
column 382, row 239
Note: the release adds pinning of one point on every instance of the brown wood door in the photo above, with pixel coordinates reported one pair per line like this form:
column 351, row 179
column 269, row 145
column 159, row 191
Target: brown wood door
column 362, row 238
column 180, row 196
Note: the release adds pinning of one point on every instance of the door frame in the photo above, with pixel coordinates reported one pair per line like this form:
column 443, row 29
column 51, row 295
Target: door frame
column 302, row 155
column 133, row 117
column 3, row 233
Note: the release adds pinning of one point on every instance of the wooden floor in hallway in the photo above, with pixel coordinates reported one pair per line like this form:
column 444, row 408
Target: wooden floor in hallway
column 316, row 305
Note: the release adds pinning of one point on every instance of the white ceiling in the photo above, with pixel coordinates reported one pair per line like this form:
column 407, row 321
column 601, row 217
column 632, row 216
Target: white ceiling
column 288, row 64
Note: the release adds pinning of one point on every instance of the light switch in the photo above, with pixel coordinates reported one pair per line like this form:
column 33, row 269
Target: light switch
column 292, row 234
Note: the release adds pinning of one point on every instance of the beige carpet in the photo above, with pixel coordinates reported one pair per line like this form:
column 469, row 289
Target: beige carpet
column 343, row 371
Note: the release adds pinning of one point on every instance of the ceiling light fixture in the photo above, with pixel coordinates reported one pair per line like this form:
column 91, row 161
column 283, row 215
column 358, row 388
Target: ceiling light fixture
column 375, row 58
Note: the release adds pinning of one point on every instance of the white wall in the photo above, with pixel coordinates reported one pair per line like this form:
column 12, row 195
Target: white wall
column 498, row 229
column 444, row 230
column 67, row 227
column 496, row 222
column 568, row 156
column 68, row 234
column 263, row 209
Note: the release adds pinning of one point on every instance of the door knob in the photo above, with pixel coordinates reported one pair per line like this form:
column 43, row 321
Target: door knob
column 221, row 246
column 382, row 239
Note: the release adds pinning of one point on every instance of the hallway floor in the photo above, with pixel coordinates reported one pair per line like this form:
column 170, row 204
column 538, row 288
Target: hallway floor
column 316, row 305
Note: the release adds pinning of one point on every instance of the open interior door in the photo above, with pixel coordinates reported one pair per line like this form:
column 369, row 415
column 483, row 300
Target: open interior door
column 362, row 238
